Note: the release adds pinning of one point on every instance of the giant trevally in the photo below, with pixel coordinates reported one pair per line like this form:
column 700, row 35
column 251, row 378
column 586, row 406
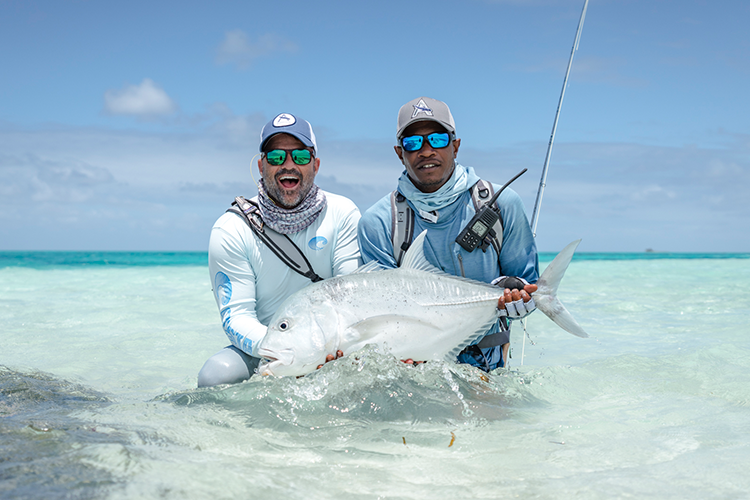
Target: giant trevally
column 415, row 311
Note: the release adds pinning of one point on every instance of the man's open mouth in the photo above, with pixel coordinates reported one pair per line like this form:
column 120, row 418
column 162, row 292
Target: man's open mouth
column 288, row 181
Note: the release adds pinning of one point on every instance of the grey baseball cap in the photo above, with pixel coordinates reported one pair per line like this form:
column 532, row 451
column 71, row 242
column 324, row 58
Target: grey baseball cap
column 424, row 109
column 287, row 123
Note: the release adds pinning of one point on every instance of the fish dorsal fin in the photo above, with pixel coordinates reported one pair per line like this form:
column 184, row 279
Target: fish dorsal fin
column 371, row 266
column 415, row 258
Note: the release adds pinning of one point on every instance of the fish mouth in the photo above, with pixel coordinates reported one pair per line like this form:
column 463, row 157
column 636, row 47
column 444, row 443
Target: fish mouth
column 271, row 361
column 266, row 367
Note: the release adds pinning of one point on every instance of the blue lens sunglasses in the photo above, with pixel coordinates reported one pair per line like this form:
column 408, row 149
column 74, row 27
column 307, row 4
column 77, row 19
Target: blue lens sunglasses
column 437, row 140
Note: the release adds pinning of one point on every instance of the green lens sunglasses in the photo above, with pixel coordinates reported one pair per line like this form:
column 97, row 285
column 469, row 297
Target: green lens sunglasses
column 299, row 156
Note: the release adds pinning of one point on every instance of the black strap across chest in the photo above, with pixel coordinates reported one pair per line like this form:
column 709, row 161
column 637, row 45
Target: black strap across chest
column 280, row 244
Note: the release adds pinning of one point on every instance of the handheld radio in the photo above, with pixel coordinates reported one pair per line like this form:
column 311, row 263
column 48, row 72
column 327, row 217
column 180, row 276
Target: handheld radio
column 475, row 232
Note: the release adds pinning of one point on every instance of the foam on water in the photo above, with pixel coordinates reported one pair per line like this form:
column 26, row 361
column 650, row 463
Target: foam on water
column 98, row 398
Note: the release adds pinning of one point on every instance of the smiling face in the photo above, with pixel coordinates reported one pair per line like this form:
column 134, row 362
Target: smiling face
column 428, row 168
column 287, row 184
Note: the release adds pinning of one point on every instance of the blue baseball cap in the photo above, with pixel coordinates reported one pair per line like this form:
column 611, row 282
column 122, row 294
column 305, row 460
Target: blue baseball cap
column 287, row 123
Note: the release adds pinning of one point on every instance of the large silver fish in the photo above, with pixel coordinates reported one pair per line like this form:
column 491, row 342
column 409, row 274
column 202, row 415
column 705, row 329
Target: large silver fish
column 415, row 311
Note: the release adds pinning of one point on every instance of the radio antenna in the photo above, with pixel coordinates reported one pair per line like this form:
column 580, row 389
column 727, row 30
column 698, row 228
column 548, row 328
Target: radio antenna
column 543, row 181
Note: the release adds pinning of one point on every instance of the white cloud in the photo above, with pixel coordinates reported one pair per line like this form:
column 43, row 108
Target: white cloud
column 144, row 100
column 238, row 49
column 652, row 192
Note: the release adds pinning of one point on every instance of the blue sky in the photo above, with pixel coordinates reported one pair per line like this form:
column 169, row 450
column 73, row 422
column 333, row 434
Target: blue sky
column 132, row 125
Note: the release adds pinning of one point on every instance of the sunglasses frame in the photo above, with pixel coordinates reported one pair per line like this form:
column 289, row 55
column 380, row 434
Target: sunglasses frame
column 451, row 138
column 289, row 152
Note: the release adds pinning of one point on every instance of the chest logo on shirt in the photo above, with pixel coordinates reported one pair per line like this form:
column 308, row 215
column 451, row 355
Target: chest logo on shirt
column 317, row 243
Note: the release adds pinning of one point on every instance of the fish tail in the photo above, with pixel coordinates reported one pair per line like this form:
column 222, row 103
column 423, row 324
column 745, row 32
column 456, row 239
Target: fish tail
column 547, row 300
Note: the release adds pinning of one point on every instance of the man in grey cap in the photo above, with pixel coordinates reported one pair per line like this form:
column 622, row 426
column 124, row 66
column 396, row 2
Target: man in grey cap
column 291, row 219
column 438, row 194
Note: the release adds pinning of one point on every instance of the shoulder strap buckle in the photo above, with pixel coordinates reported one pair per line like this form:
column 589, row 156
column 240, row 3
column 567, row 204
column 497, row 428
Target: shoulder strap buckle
column 250, row 211
column 402, row 225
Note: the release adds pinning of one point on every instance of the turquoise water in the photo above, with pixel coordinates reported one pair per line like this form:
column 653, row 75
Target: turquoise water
column 45, row 260
column 99, row 354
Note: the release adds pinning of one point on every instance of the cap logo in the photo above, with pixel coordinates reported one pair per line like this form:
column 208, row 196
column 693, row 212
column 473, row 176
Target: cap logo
column 284, row 120
column 421, row 107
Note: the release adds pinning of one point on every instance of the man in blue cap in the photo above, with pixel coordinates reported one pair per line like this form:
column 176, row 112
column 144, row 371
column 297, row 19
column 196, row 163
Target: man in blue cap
column 252, row 244
column 438, row 194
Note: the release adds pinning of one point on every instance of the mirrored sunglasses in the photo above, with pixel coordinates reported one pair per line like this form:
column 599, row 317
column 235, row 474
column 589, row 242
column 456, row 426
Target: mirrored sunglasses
column 437, row 140
column 299, row 156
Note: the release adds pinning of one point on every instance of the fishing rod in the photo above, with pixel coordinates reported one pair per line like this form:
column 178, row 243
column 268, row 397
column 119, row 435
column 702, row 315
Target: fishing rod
column 543, row 180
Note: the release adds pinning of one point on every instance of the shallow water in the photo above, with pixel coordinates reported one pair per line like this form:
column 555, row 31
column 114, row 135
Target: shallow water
column 98, row 365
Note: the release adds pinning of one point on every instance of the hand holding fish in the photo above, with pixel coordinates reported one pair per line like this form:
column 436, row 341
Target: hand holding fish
column 517, row 302
column 411, row 362
column 331, row 357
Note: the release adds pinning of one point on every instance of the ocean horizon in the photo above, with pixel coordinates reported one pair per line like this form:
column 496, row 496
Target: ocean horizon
column 54, row 258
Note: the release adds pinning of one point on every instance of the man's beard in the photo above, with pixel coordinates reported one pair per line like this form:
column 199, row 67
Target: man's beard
column 276, row 193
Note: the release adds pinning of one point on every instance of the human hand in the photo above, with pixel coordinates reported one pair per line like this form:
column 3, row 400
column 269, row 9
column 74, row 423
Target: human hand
column 331, row 357
column 515, row 303
column 411, row 362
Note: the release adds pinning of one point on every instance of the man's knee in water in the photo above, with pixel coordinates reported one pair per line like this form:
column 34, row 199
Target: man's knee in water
column 228, row 366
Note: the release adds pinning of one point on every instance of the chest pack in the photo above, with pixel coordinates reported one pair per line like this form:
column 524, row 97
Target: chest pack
column 402, row 221
column 280, row 244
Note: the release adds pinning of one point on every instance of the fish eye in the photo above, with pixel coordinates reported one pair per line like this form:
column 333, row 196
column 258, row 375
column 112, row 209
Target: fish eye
column 283, row 325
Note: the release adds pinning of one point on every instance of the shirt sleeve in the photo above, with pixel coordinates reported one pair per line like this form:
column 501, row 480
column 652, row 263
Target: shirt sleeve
column 374, row 235
column 233, row 283
column 346, row 256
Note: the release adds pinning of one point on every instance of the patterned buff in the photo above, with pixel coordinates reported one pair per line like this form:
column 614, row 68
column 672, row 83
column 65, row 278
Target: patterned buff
column 293, row 220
